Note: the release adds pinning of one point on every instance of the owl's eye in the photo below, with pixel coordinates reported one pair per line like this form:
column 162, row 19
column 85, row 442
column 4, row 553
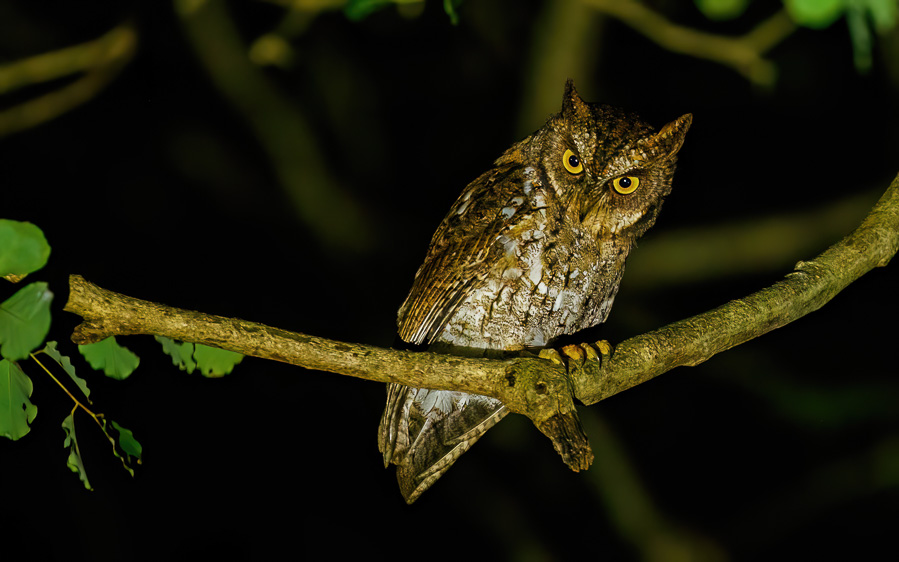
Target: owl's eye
column 572, row 163
column 626, row 184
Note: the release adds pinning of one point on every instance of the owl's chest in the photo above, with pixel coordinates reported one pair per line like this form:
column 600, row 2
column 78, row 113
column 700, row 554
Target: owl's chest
column 543, row 283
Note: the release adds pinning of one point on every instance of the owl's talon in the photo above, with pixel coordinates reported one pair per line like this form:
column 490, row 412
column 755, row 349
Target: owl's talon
column 575, row 351
column 604, row 347
column 579, row 353
column 591, row 352
column 552, row 355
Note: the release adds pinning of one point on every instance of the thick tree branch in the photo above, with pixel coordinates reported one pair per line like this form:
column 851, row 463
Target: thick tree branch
column 531, row 386
column 694, row 340
column 540, row 389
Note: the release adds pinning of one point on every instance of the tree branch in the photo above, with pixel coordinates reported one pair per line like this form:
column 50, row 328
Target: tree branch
column 537, row 388
column 743, row 54
column 283, row 132
column 100, row 59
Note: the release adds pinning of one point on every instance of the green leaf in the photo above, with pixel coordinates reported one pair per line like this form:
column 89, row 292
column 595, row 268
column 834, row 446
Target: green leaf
column 16, row 410
column 451, row 7
column 883, row 13
column 215, row 362
column 212, row 361
column 358, row 10
column 816, row 14
column 182, row 354
column 129, row 445
column 124, row 445
column 23, row 249
column 24, row 321
column 74, row 462
column 860, row 32
column 117, row 362
column 721, row 9
column 66, row 364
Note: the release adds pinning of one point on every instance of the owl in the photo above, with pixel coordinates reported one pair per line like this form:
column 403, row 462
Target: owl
column 532, row 250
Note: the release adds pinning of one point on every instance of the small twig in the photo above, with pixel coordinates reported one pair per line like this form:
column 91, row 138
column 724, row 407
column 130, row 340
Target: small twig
column 101, row 58
column 743, row 54
column 77, row 402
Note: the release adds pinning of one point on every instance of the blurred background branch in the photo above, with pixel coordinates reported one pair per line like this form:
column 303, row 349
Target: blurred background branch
column 744, row 54
column 284, row 132
column 100, row 60
column 631, row 507
column 274, row 47
column 565, row 46
column 704, row 254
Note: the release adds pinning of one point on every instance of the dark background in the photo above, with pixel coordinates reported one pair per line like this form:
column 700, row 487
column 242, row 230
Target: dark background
column 159, row 187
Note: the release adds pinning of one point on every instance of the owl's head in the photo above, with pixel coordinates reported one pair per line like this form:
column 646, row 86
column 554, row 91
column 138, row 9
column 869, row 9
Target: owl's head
column 608, row 166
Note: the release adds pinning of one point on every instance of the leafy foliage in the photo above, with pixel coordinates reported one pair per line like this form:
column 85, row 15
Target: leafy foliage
column 114, row 360
column 215, row 362
column 212, row 361
column 860, row 16
column 816, row 14
column 24, row 321
column 182, row 353
column 360, row 9
column 357, row 10
column 16, row 409
column 25, row 249
column 74, row 461
column 66, row 364
column 451, row 7
column 124, row 445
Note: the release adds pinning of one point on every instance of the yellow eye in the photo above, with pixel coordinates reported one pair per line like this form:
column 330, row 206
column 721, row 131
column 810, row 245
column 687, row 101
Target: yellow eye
column 572, row 163
column 626, row 184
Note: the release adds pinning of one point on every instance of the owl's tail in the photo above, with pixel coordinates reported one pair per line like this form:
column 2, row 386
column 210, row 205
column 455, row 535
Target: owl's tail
column 424, row 431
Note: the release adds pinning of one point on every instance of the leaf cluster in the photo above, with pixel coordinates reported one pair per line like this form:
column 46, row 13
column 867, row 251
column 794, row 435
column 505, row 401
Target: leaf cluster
column 861, row 16
column 360, row 9
column 25, row 319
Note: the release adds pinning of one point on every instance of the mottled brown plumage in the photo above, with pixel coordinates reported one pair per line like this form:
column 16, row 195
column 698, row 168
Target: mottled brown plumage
column 533, row 249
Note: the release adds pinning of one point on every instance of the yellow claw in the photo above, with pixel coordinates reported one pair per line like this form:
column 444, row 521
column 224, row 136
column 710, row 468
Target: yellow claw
column 575, row 352
column 590, row 350
column 552, row 355
column 604, row 347
column 578, row 352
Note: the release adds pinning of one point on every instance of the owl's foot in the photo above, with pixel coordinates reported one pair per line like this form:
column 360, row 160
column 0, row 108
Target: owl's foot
column 579, row 353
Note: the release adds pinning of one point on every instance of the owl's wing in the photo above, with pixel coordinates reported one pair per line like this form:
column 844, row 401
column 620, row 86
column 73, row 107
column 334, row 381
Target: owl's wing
column 424, row 431
column 459, row 256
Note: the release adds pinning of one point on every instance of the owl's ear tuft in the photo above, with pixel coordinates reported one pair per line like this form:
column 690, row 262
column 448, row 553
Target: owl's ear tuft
column 573, row 107
column 674, row 132
column 669, row 139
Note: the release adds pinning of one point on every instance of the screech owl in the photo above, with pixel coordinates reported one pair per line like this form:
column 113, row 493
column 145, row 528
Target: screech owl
column 533, row 249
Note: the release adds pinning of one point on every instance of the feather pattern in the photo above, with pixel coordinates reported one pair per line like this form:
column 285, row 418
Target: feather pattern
column 532, row 249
